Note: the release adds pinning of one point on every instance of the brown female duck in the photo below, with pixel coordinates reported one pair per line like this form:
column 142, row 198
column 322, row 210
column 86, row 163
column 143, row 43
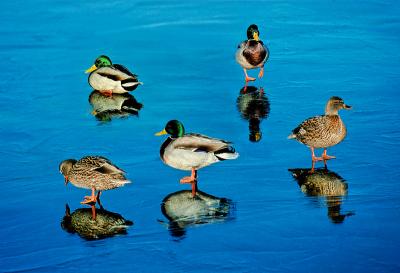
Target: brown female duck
column 323, row 131
column 93, row 172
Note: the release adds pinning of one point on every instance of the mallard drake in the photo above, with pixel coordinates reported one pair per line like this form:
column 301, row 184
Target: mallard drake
column 322, row 131
column 93, row 172
column 252, row 53
column 192, row 151
column 111, row 78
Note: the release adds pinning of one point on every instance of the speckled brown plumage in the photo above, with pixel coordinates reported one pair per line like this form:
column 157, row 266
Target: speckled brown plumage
column 323, row 131
column 93, row 172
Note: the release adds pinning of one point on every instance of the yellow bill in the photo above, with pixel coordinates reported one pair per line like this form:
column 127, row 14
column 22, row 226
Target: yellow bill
column 255, row 36
column 92, row 68
column 163, row 132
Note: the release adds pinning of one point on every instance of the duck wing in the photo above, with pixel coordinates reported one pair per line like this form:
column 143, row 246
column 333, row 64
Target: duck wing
column 200, row 143
column 112, row 73
column 99, row 164
column 311, row 128
column 124, row 70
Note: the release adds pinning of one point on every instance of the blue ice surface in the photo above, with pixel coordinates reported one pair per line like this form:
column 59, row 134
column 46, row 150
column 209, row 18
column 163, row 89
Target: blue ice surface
column 183, row 51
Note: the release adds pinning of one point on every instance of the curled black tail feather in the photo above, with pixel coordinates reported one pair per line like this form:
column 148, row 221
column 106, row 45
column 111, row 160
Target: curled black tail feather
column 226, row 150
column 129, row 84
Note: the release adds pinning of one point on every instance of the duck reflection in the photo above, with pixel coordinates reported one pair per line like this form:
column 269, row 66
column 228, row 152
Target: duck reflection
column 322, row 182
column 253, row 106
column 117, row 105
column 183, row 210
column 104, row 224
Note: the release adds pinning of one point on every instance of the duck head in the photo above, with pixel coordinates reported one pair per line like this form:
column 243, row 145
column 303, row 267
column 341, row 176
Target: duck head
column 174, row 128
column 253, row 33
column 101, row 61
column 65, row 167
column 334, row 105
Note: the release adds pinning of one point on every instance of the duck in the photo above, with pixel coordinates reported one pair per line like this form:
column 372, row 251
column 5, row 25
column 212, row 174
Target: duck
column 252, row 53
column 96, row 173
column 109, row 78
column 192, row 151
column 323, row 131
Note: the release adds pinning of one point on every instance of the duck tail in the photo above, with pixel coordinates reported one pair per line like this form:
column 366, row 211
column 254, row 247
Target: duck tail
column 122, row 182
column 291, row 136
column 130, row 84
column 227, row 153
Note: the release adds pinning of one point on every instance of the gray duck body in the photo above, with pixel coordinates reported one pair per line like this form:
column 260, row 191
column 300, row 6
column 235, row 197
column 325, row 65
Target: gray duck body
column 195, row 151
column 116, row 78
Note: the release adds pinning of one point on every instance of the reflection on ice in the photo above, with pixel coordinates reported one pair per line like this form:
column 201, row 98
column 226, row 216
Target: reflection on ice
column 183, row 210
column 253, row 106
column 117, row 105
column 328, row 184
column 106, row 223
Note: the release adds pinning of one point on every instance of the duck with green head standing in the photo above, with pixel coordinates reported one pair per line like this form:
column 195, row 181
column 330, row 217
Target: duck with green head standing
column 109, row 78
column 192, row 152
column 252, row 53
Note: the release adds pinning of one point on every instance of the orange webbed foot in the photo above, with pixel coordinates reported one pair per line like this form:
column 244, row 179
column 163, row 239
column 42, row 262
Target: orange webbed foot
column 89, row 200
column 316, row 159
column 327, row 157
column 187, row 180
column 250, row 79
column 261, row 74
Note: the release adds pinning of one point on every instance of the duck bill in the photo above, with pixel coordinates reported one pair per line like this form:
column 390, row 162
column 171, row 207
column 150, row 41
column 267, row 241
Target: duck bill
column 66, row 180
column 163, row 132
column 92, row 68
column 255, row 36
column 347, row 107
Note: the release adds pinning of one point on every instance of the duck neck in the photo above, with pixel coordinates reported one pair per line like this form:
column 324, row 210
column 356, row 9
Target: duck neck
column 330, row 111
